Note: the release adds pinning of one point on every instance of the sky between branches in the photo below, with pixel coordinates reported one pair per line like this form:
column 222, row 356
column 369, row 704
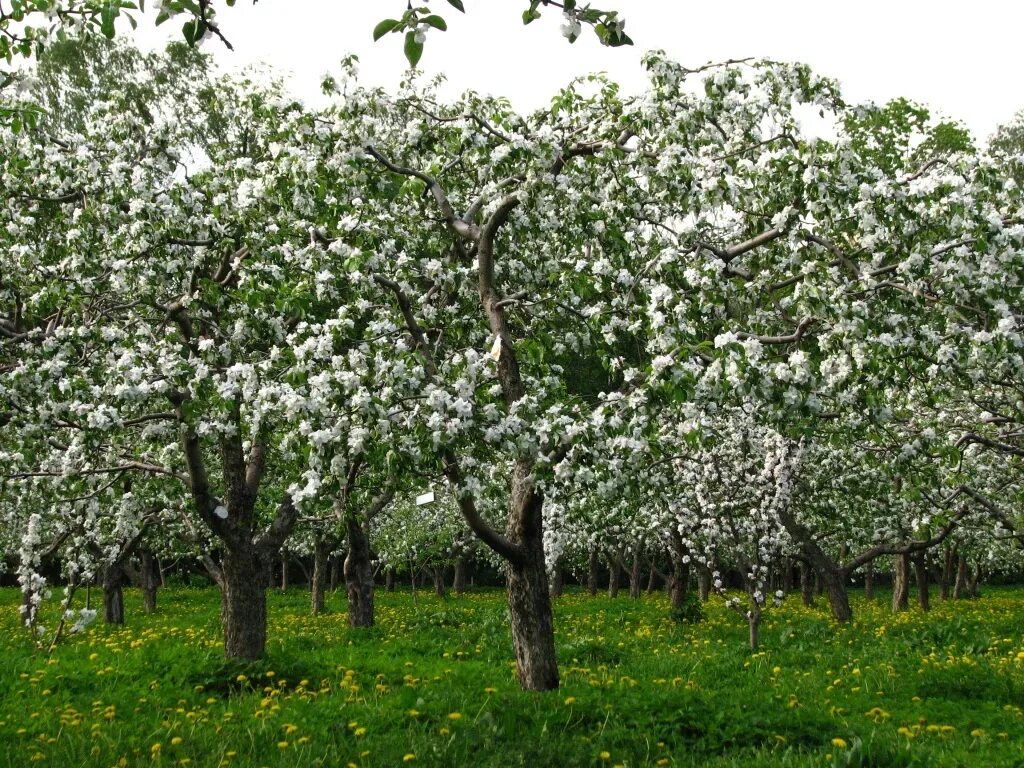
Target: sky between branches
column 963, row 60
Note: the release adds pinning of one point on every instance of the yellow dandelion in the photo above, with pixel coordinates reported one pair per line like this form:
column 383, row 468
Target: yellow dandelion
column 605, row 755
column 839, row 743
column 408, row 757
column 454, row 715
column 176, row 741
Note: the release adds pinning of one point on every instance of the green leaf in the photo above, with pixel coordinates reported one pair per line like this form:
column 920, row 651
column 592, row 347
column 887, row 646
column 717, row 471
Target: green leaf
column 413, row 49
column 384, row 27
column 436, row 22
column 107, row 15
column 193, row 31
column 457, row 5
column 530, row 15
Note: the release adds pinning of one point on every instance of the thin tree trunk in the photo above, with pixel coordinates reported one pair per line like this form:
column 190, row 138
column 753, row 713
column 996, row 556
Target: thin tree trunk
column 335, row 571
column 960, row 588
column 149, row 577
column 921, row 577
column 806, row 585
column 754, row 623
column 946, row 579
column 358, row 575
column 592, row 572
column 160, row 573
column 900, row 583
column 613, row 577
column 284, row 572
column 679, row 583
column 634, row 577
column 244, row 603
column 869, row 581
column 321, row 555
column 652, row 578
column 389, row 579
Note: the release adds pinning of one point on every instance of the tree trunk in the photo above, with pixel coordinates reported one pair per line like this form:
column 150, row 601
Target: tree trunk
column 533, row 633
column 358, row 576
column 819, row 584
column 335, row 572
column 834, row 582
column 947, row 573
column 321, row 555
column 806, row 585
column 592, row 572
column 869, row 581
column 921, row 577
column 438, row 574
column 900, row 583
column 754, row 622
column 634, row 577
column 973, row 581
column 149, row 579
column 960, row 587
column 652, row 578
column 284, row 572
column 389, row 579
column 557, row 581
column 679, row 583
column 113, row 594
column 160, row 573
column 244, row 603
column 613, row 577
column 459, row 578
column 703, row 583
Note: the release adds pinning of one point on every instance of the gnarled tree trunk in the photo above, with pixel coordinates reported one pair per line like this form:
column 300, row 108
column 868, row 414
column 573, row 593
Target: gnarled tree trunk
column 634, row 577
column 834, row 582
column 960, row 587
column 703, row 583
column 358, row 575
column 244, row 576
column 806, row 585
column 613, row 577
column 459, row 577
column 437, row 572
column 113, row 594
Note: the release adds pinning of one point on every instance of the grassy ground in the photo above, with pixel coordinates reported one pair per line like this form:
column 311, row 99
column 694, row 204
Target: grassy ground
column 433, row 684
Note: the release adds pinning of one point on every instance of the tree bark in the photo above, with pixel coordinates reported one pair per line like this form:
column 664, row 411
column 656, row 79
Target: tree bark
column 921, row 577
column 437, row 572
column 244, row 603
column 973, row 581
column 389, row 579
column 754, row 623
column 592, row 572
column 113, row 594
column 834, row 582
column 806, row 585
column 900, row 583
column 358, row 575
column 946, row 579
column 335, row 572
column 533, row 632
column 284, row 572
column 679, row 583
column 321, row 556
column 869, row 581
column 459, row 577
column 557, row 581
column 703, row 583
column 960, row 587
column 634, row 577
column 149, row 578
column 613, row 577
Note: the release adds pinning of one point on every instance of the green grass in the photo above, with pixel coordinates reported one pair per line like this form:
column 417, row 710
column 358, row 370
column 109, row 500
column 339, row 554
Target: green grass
column 435, row 680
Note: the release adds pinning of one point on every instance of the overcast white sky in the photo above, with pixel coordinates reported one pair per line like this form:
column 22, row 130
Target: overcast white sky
column 964, row 60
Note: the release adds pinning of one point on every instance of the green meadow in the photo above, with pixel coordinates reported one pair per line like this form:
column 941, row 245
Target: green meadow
column 433, row 684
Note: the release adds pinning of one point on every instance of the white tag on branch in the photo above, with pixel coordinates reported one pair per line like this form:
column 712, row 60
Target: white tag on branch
column 221, row 511
column 495, row 352
column 424, row 498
